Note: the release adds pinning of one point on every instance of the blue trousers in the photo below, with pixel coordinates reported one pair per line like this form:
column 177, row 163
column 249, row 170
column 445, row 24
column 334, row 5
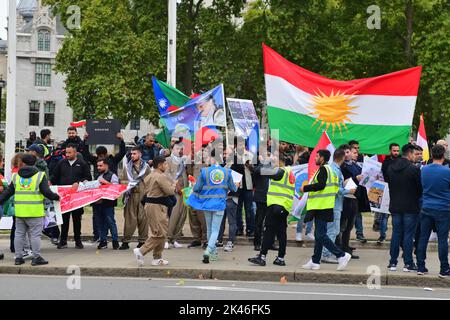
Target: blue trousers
column 333, row 229
column 441, row 221
column 403, row 232
column 105, row 222
column 383, row 218
column 213, row 222
column 322, row 240
column 359, row 224
column 246, row 201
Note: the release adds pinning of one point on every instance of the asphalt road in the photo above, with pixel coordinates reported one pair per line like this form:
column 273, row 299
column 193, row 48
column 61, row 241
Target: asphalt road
column 95, row 288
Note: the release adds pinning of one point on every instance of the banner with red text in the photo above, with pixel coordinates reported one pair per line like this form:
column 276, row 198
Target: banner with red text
column 71, row 199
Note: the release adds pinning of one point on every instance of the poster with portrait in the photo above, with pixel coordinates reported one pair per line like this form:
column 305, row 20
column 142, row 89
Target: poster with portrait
column 301, row 179
column 243, row 114
column 378, row 195
column 208, row 109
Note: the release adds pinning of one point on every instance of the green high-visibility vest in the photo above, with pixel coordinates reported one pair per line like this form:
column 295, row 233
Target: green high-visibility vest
column 281, row 192
column 28, row 200
column 324, row 199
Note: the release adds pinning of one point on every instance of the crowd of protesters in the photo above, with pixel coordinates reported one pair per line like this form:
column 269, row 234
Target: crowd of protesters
column 257, row 207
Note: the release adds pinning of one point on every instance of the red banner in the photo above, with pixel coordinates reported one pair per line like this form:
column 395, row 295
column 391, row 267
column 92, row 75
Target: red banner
column 71, row 200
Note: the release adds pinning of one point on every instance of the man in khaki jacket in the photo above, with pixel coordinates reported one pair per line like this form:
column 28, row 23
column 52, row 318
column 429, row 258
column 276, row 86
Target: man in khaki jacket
column 177, row 172
column 159, row 188
column 136, row 170
column 197, row 221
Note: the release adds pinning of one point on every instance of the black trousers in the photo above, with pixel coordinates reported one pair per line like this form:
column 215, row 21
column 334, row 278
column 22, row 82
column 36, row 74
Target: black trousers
column 12, row 236
column 261, row 208
column 348, row 217
column 76, row 219
column 275, row 225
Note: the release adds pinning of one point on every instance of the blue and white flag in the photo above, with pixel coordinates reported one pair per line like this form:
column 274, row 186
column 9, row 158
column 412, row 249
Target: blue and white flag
column 208, row 109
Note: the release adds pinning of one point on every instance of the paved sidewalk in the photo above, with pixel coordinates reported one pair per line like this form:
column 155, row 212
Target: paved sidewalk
column 186, row 263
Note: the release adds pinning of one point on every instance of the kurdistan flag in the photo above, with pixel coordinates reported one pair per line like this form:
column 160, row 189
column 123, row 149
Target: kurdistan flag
column 375, row 111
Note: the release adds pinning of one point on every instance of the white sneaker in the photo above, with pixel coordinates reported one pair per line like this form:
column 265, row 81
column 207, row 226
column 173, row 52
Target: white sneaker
column 311, row 266
column 177, row 245
column 159, row 262
column 343, row 261
column 166, row 245
column 309, row 236
column 298, row 237
column 27, row 254
column 433, row 237
column 229, row 247
column 330, row 259
column 139, row 256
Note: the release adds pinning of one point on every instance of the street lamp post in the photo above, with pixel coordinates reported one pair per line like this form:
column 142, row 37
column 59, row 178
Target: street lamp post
column 172, row 44
column 10, row 123
column 2, row 85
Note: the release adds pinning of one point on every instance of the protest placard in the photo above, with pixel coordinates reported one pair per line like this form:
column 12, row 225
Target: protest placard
column 378, row 195
column 103, row 131
column 243, row 114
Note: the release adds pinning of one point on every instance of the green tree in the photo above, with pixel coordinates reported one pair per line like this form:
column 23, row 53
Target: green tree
column 109, row 61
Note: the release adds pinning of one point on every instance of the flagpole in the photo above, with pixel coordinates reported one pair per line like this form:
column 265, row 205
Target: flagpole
column 225, row 109
column 172, row 44
column 10, row 129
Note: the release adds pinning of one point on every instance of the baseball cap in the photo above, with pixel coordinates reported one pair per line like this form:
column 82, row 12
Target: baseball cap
column 37, row 148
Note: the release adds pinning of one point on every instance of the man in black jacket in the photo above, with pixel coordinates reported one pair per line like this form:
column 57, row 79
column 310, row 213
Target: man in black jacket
column 104, row 209
column 101, row 153
column 243, row 166
column 74, row 139
column 405, row 191
column 350, row 170
column 71, row 171
column 394, row 154
column 320, row 204
column 261, row 178
column 113, row 164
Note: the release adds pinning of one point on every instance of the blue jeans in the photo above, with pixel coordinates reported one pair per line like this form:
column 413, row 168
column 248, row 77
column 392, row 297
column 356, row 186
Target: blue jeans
column 230, row 214
column 213, row 222
column 403, row 232
column 383, row 218
column 333, row 229
column 441, row 220
column 359, row 224
column 105, row 222
column 322, row 240
column 246, row 201
column 309, row 225
column 95, row 225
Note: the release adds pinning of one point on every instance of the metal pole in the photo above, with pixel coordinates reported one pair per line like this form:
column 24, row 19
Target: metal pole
column 172, row 44
column 10, row 124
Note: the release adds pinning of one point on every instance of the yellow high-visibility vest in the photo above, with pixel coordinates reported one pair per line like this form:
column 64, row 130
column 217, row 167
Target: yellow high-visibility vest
column 324, row 199
column 281, row 192
column 28, row 200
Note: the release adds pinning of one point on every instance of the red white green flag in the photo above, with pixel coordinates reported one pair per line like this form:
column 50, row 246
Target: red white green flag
column 422, row 140
column 375, row 111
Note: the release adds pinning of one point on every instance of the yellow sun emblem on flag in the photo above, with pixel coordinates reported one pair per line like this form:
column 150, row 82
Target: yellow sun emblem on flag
column 333, row 109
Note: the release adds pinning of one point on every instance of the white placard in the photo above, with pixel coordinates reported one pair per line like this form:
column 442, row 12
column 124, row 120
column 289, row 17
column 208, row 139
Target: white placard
column 237, row 177
column 349, row 186
column 6, row 223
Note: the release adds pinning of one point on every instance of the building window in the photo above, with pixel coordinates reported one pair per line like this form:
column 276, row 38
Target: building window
column 135, row 124
column 34, row 113
column 42, row 74
column 43, row 40
column 49, row 114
